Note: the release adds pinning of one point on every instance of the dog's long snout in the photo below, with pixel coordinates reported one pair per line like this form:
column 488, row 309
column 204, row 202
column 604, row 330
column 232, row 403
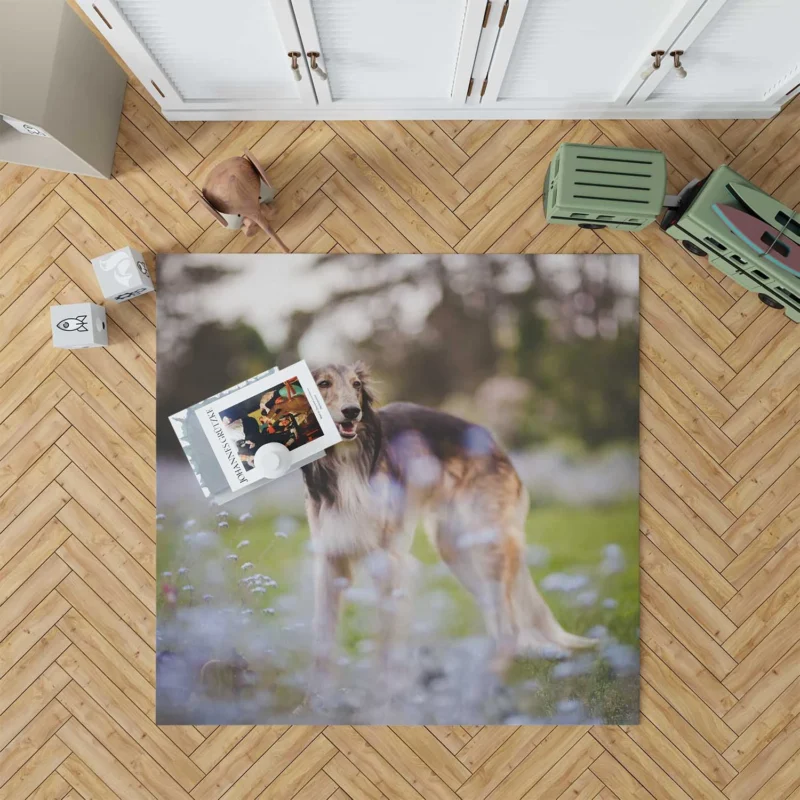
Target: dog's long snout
column 351, row 412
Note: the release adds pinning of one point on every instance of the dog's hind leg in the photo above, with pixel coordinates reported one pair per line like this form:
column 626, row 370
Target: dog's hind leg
column 484, row 563
column 540, row 632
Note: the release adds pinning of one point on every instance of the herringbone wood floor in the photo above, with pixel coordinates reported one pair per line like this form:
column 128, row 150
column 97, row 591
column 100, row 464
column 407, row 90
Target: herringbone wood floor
column 720, row 496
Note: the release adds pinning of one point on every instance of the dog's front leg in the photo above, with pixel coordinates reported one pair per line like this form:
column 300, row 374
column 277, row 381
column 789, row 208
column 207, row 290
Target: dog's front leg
column 332, row 575
column 392, row 575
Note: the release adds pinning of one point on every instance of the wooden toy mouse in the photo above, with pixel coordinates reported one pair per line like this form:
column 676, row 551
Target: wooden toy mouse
column 235, row 193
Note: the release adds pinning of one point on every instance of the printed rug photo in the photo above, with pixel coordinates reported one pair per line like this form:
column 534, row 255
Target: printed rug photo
column 467, row 553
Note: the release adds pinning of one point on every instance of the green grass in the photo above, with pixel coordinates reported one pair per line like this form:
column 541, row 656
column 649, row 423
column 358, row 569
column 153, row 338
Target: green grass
column 574, row 538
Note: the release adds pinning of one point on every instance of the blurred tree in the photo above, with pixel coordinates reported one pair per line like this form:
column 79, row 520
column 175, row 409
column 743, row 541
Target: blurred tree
column 557, row 330
column 436, row 330
column 592, row 388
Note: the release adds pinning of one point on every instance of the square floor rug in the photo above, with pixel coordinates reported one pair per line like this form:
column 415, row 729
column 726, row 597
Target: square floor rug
column 468, row 553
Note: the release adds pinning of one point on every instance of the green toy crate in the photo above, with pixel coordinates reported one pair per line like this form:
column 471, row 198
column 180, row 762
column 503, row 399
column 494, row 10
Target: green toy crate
column 702, row 232
column 598, row 187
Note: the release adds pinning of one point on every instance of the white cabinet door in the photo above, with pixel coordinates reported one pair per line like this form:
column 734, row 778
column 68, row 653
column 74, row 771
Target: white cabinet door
column 207, row 53
column 747, row 51
column 386, row 55
column 578, row 53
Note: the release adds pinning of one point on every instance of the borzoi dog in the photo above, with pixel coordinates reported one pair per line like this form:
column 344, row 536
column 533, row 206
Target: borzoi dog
column 401, row 464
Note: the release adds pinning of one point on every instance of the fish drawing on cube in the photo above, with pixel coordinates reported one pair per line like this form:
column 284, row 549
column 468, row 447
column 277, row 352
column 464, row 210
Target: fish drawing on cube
column 78, row 325
column 122, row 275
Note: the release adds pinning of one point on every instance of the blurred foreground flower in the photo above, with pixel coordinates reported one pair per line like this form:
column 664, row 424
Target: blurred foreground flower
column 613, row 559
column 285, row 526
column 562, row 582
column 586, row 599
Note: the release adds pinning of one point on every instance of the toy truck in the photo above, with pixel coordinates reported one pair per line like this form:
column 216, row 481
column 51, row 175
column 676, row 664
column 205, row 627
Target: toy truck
column 703, row 232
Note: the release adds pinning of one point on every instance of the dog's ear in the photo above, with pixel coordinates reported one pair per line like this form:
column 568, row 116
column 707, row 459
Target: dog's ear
column 362, row 370
column 367, row 387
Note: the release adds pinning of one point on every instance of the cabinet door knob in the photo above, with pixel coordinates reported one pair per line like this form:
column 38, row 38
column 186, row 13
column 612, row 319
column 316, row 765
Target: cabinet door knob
column 294, row 55
column 315, row 68
column 657, row 56
column 676, row 58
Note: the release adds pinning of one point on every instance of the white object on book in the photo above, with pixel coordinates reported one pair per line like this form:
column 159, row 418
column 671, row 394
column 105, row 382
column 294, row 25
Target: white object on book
column 273, row 460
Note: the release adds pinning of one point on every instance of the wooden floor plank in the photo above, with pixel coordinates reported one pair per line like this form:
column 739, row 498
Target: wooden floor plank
column 12, row 176
column 32, row 192
column 427, row 223
column 666, row 755
column 681, row 553
column 108, row 660
column 159, row 131
column 34, row 736
column 81, row 597
column 108, row 516
column 692, row 680
column 431, row 136
column 426, row 168
column 677, row 585
column 237, row 762
column 686, row 737
column 30, row 231
column 350, row 780
column 109, row 710
column 100, row 764
column 85, row 783
column 30, row 267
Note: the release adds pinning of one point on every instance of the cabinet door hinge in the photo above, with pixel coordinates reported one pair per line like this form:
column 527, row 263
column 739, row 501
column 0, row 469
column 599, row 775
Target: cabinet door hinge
column 469, row 88
column 503, row 15
column 486, row 13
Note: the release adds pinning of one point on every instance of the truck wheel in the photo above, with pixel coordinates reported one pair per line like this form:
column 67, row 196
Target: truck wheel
column 769, row 301
column 591, row 226
column 694, row 249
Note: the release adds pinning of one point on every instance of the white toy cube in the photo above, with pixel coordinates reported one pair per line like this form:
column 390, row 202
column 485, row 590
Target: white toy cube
column 122, row 274
column 78, row 325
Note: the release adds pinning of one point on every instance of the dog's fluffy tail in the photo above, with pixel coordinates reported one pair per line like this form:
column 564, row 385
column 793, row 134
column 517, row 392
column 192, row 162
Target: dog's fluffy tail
column 539, row 631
